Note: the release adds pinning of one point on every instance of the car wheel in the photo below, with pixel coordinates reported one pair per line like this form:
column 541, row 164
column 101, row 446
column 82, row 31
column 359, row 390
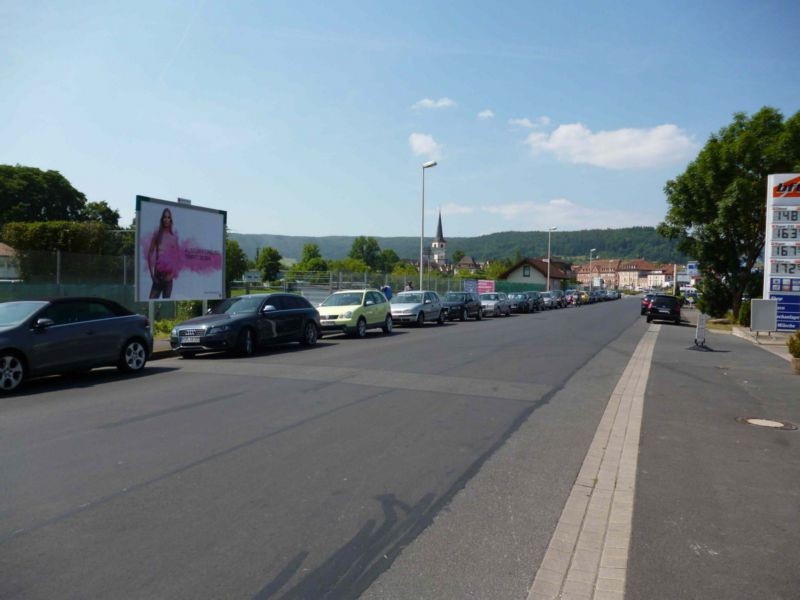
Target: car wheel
column 310, row 334
column 420, row 319
column 388, row 324
column 463, row 316
column 361, row 328
column 677, row 320
column 245, row 345
column 440, row 320
column 12, row 372
column 134, row 356
column 649, row 318
column 478, row 315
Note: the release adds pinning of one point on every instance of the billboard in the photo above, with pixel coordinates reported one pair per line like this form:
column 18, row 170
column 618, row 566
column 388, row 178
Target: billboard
column 180, row 251
column 782, row 248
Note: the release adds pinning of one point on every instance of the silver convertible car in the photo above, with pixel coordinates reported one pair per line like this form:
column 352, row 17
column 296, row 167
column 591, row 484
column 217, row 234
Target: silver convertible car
column 39, row 337
column 417, row 307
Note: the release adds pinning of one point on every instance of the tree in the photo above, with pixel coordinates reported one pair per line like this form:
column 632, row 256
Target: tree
column 387, row 259
column 350, row 265
column 269, row 263
column 30, row 194
column 717, row 207
column 310, row 252
column 235, row 261
column 497, row 268
column 457, row 256
column 367, row 250
column 102, row 213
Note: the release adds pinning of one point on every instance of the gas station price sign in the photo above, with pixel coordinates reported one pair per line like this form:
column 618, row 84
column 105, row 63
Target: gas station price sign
column 782, row 248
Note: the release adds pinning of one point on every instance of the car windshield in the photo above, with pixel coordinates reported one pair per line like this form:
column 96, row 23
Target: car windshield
column 344, row 299
column 14, row 313
column 453, row 297
column 240, row 305
column 516, row 297
column 407, row 298
column 546, row 295
column 489, row 297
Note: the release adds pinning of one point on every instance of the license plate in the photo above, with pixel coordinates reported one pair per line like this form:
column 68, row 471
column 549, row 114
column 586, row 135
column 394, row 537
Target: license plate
column 328, row 322
column 663, row 310
column 190, row 339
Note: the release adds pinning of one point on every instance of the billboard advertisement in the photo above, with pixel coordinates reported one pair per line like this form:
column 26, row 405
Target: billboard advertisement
column 180, row 251
column 485, row 286
column 782, row 248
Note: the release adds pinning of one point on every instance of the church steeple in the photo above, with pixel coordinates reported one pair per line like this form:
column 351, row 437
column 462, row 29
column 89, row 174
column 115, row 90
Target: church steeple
column 439, row 245
column 439, row 236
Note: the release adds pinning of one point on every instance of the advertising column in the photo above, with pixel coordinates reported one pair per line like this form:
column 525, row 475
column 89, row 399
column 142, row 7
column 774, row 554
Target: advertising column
column 782, row 248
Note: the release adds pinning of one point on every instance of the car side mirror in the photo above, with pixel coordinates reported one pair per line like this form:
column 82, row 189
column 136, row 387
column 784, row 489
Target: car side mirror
column 427, row 301
column 268, row 308
column 369, row 303
column 43, row 323
column 208, row 312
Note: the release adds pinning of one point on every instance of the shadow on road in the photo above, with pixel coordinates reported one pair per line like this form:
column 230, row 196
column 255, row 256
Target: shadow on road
column 349, row 571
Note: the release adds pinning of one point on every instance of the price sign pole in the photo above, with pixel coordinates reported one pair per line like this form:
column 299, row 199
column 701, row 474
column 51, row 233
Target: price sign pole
column 782, row 249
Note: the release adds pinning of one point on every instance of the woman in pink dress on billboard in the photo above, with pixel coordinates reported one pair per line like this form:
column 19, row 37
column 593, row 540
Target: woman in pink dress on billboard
column 163, row 257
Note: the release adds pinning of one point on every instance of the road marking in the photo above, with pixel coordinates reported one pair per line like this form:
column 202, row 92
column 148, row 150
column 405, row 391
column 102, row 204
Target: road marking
column 587, row 556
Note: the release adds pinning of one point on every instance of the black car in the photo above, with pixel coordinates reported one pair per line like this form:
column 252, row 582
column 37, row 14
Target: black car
column 244, row 323
column 520, row 303
column 664, row 307
column 537, row 302
column 462, row 305
column 44, row 337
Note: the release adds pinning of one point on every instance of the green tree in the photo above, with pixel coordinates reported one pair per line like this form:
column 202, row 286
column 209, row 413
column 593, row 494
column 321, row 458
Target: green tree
column 269, row 263
column 717, row 207
column 30, row 194
column 235, row 261
column 457, row 256
column 387, row 259
column 310, row 252
column 102, row 213
column 367, row 250
column 497, row 267
column 350, row 265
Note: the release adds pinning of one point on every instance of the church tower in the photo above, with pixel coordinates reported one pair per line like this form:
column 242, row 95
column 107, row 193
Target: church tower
column 439, row 245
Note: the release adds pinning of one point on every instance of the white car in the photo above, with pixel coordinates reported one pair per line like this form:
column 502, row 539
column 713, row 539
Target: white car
column 495, row 304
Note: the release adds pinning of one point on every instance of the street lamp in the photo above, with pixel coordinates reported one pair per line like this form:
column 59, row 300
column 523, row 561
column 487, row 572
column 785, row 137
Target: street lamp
column 549, row 231
column 591, row 279
column 427, row 165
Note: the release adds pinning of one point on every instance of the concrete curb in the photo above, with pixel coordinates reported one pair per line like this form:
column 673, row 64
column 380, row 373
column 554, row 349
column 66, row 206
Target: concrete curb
column 162, row 349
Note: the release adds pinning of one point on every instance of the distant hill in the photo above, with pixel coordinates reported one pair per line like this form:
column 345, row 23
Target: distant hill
column 630, row 242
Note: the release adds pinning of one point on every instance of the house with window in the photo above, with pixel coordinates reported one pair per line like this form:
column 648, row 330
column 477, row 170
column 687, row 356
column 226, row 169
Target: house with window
column 534, row 271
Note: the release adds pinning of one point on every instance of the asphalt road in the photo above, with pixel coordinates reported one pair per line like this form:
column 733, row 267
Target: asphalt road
column 429, row 463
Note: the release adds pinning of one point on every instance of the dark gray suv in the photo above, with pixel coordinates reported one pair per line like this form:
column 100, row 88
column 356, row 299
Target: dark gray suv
column 40, row 337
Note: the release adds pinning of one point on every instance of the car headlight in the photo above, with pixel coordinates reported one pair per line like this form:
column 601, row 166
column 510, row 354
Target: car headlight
column 347, row 315
column 174, row 332
column 218, row 329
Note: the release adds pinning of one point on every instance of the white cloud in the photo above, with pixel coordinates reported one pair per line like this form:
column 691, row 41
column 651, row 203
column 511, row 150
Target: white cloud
column 451, row 208
column 428, row 103
column 486, row 114
column 619, row 149
column 423, row 144
column 528, row 124
column 566, row 215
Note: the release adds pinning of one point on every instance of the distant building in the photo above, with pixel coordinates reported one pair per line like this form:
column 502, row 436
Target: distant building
column 534, row 271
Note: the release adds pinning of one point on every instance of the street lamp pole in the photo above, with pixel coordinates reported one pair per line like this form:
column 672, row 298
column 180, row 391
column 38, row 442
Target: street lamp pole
column 591, row 278
column 549, row 231
column 427, row 165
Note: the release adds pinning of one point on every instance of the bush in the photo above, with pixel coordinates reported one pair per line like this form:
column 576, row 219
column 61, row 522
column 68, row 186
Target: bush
column 744, row 314
column 794, row 344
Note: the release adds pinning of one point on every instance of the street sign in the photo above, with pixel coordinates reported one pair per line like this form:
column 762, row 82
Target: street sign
column 782, row 249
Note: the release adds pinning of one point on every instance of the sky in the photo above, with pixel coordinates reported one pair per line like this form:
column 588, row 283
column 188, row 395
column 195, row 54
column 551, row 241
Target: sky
column 314, row 118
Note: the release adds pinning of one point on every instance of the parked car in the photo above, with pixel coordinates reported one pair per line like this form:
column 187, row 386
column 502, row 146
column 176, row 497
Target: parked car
column 495, row 304
column 462, row 305
column 536, row 300
column 519, row 302
column 548, row 300
column 417, row 307
column 560, row 300
column 572, row 297
column 355, row 311
column 646, row 302
column 40, row 337
column 583, row 296
column 665, row 308
column 244, row 323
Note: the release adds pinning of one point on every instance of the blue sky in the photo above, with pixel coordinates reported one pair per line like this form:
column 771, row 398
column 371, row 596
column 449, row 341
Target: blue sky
column 314, row 118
